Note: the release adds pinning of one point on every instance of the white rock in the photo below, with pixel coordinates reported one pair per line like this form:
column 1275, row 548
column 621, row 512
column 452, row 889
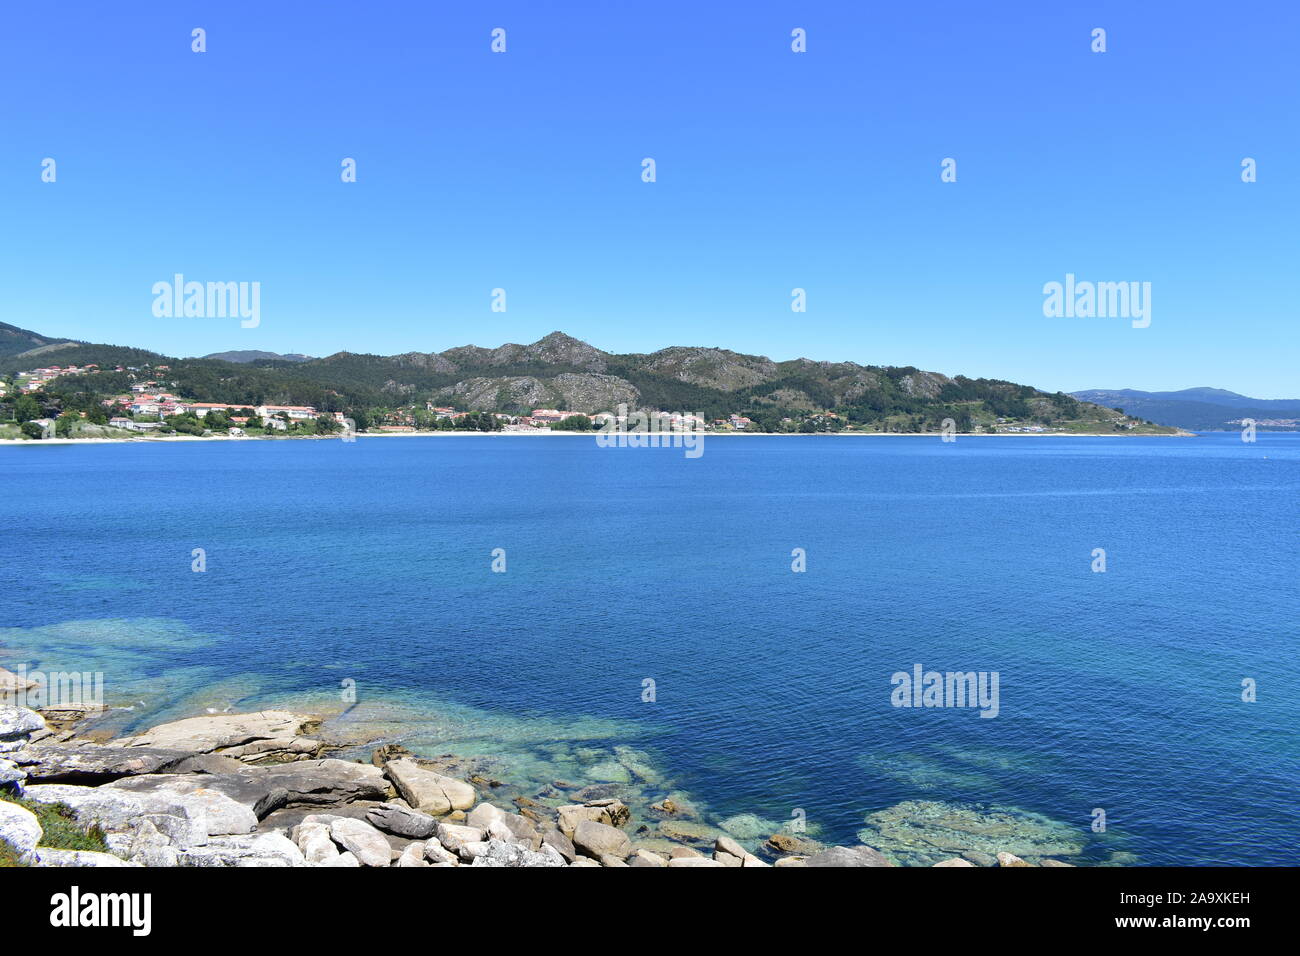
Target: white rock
column 366, row 843
column 20, row 829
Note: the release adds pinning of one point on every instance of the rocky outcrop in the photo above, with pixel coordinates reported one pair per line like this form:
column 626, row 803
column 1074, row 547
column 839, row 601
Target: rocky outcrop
column 186, row 794
column 264, row 737
column 89, row 763
column 428, row 791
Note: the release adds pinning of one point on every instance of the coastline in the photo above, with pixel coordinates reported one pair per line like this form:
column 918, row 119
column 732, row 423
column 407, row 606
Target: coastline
column 548, row 434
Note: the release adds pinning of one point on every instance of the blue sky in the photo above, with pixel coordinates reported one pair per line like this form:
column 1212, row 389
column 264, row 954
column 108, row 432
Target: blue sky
column 775, row 170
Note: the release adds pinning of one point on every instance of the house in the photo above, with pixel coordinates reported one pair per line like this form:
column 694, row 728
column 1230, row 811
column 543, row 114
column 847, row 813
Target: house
column 548, row 416
column 293, row 412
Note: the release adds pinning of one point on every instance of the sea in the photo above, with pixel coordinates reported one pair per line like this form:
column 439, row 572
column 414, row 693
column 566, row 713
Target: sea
column 736, row 632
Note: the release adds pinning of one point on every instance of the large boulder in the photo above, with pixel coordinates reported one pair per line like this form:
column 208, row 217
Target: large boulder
column 849, row 856
column 428, row 791
column 16, row 725
column 402, row 821
column 265, row 849
column 235, row 735
column 362, row 840
column 308, row 783
column 323, row 783
column 20, row 829
column 117, row 811
column 501, row 853
column 598, row 839
column 255, row 798
column 92, row 764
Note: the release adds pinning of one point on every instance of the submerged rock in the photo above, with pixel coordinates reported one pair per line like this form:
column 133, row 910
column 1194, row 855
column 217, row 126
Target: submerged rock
column 925, row 832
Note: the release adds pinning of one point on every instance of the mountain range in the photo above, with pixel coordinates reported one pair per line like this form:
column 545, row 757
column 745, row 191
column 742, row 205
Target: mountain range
column 1196, row 409
column 559, row 371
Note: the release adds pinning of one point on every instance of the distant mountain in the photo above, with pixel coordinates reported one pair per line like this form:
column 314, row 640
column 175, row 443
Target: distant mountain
column 252, row 355
column 561, row 372
column 1197, row 409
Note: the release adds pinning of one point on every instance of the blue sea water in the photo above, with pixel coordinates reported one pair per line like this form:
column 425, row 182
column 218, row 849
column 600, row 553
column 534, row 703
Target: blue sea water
column 371, row 561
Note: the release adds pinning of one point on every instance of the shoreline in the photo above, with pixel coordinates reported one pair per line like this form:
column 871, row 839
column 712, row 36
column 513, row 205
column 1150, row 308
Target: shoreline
column 590, row 434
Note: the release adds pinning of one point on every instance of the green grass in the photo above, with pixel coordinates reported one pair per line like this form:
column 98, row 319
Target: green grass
column 62, row 831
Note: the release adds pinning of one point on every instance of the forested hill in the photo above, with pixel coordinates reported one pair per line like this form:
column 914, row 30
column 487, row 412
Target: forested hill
column 564, row 373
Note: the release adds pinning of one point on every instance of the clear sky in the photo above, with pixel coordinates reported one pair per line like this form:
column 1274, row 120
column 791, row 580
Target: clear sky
column 775, row 170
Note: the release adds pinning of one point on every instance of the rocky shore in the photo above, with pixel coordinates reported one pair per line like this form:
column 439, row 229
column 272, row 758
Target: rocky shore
column 260, row 789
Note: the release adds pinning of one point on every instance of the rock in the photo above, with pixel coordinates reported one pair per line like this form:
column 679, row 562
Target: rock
column 16, row 723
column 608, row 860
column 343, row 859
column 265, row 849
column 792, row 861
column 599, row 839
column 681, row 852
column 692, row 861
column 328, row 782
column 646, row 858
column 315, row 843
column 923, row 832
column 48, row 857
column 118, row 811
column 684, row 831
column 552, row 837
column 437, row 854
column 387, row 752
column 667, row 805
column 368, row 845
column 597, row 791
column 849, row 856
column 215, row 733
column 20, row 829
column 469, row 852
column 276, row 750
column 500, row 853
column 413, row 855
column 585, row 861
column 11, row 683
column 92, row 764
column 207, row 763
column 484, row 814
column 725, row 844
column 726, row 859
column 10, row 774
column 1054, row 863
column 428, row 791
column 955, row 861
column 1010, row 859
column 399, row 821
column 237, row 801
column 453, row 836
column 793, row 844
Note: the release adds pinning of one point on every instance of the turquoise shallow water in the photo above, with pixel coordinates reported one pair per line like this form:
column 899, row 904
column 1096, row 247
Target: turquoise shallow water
column 371, row 562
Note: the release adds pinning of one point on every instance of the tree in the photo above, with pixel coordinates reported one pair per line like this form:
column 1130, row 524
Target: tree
column 63, row 424
column 25, row 409
column 326, row 425
column 32, row 430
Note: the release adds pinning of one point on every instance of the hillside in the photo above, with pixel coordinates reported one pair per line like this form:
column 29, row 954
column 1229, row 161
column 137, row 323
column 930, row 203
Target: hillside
column 1199, row 409
column 15, row 341
column 564, row 373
